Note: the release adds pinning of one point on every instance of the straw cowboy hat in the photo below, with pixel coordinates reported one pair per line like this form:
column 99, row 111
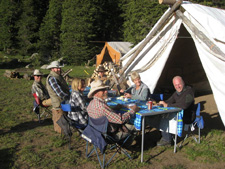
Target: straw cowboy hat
column 54, row 64
column 101, row 69
column 96, row 85
column 37, row 72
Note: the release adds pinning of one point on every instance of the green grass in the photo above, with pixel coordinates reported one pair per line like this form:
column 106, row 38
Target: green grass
column 24, row 143
column 211, row 149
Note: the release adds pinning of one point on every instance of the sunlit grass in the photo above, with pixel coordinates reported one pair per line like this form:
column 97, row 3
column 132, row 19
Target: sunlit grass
column 211, row 149
column 24, row 143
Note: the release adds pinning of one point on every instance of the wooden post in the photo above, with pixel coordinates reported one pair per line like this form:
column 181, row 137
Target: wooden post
column 167, row 2
column 211, row 45
column 147, row 39
column 67, row 72
column 111, row 67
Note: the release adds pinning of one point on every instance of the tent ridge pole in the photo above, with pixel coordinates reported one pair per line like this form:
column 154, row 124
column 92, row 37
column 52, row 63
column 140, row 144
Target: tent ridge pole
column 147, row 39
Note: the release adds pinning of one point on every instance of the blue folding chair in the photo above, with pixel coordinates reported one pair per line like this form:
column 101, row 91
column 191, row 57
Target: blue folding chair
column 190, row 128
column 66, row 123
column 156, row 97
column 96, row 134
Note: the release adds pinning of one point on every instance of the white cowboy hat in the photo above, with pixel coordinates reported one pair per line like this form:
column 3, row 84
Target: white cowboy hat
column 54, row 64
column 37, row 72
column 96, row 85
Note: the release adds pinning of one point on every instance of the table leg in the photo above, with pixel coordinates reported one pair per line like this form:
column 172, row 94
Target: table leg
column 175, row 140
column 143, row 137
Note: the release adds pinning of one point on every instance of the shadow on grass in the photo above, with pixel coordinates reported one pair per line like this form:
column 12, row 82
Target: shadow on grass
column 211, row 121
column 27, row 126
column 7, row 157
column 153, row 156
column 151, row 137
column 14, row 63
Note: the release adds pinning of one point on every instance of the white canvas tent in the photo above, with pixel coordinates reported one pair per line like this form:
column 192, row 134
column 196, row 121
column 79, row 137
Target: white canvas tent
column 191, row 44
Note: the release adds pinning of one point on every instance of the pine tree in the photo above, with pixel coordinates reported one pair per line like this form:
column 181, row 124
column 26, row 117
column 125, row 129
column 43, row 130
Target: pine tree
column 49, row 44
column 108, row 21
column 8, row 15
column 140, row 16
column 77, row 31
column 29, row 23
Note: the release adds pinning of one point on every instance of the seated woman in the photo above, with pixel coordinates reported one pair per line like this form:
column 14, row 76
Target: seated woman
column 78, row 105
column 138, row 91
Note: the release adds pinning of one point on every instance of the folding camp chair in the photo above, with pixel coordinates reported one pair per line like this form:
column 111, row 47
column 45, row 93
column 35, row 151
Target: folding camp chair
column 37, row 106
column 190, row 128
column 66, row 123
column 156, row 97
column 96, row 134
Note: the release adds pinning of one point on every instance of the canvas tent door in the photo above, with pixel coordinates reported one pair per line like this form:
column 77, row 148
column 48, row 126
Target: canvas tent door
column 112, row 52
column 184, row 61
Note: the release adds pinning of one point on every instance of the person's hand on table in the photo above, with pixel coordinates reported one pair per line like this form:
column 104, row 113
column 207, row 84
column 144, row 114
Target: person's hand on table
column 163, row 103
column 154, row 103
column 121, row 91
column 127, row 95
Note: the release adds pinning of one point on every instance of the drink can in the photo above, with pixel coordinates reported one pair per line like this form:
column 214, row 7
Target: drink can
column 149, row 103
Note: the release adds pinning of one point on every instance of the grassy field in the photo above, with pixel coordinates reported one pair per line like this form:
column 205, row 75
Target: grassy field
column 24, row 143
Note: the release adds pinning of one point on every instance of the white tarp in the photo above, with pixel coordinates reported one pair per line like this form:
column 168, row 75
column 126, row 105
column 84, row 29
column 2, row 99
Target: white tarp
column 208, row 20
column 121, row 47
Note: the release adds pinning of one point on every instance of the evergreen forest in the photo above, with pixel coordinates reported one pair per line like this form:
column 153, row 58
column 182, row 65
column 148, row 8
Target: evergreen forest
column 76, row 29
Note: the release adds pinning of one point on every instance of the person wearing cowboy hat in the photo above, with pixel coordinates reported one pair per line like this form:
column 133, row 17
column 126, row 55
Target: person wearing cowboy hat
column 98, row 108
column 101, row 75
column 40, row 89
column 58, row 91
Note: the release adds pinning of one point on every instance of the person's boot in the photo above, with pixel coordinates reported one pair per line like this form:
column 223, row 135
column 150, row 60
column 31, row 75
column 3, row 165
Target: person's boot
column 163, row 142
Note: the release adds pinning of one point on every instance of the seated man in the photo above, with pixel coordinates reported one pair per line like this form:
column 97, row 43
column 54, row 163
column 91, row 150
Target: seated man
column 98, row 108
column 101, row 75
column 138, row 91
column 40, row 89
column 120, row 87
column 183, row 98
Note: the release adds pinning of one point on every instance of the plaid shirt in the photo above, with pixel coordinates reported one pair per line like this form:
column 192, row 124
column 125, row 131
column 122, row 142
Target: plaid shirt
column 40, row 90
column 78, row 107
column 53, row 83
column 98, row 108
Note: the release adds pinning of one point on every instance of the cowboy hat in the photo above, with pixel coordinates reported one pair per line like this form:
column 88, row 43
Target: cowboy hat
column 54, row 64
column 37, row 72
column 96, row 85
column 101, row 69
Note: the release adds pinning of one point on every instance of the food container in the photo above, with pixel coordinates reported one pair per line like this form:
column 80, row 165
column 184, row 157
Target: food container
column 131, row 105
column 108, row 99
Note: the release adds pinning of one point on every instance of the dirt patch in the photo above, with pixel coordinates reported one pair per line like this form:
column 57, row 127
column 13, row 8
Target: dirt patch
column 210, row 112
